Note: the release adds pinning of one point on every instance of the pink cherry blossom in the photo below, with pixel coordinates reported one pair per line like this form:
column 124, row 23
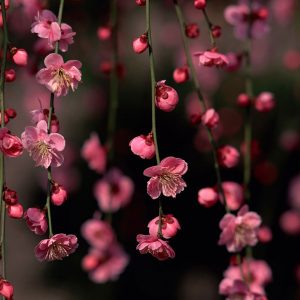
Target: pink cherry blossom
column 105, row 265
column 257, row 272
column 264, row 102
column 113, row 191
column 98, row 233
column 56, row 247
column 166, row 177
column 46, row 26
column 15, row 211
column 166, row 98
column 290, row 222
column 10, row 145
column 228, row 156
column 264, row 234
column 19, row 57
column 66, row 39
column 45, row 149
column 59, row 77
column 36, row 220
column 94, row 153
column 169, row 226
column 212, row 58
column 143, row 146
column 210, row 118
column 155, row 246
column 207, row 197
column 6, row 289
column 239, row 231
column 234, row 194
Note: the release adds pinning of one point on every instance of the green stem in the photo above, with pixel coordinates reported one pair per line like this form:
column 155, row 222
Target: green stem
column 2, row 105
column 51, row 112
column 197, row 89
column 209, row 26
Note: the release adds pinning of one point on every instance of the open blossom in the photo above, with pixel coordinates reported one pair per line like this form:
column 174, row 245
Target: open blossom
column 169, row 226
column 166, row 177
column 212, row 58
column 113, row 191
column 59, row 77
column 10, row 144
column 94, row 153
column 98, row 233
column 166, row 98
column 155, row 246
column 240, row 15
column 36, row 220
column 105, row 265
column 6, row 289
column 257, row 272
column 45, row 149
column 143, row 146
column 57, row 247
column 239, row 231
column 46, row 26
column 66, row 37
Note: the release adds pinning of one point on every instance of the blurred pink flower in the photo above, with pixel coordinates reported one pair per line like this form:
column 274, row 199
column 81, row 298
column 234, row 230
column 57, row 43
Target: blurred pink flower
column 58, row 76
column 113, row 191
column 6, row 289
column 66, row 39
column 212, row 58
column 239, row 231
column 264, row 234
column 44, row 148
column 290, row 222
column 106, row 265
column 294, row 192
column 166, row 177
column 210, row 118
column 228, row 156
column 98, row 233
column 10, row 144
column 36, row 220
column 208, row 197
column 155, row 246
column 57, row 247
column 94, row 153
column 169, row 226
column 234, row 194
column 264, row 102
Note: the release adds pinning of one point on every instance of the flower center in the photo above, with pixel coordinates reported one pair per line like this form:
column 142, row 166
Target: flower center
column 42, row 148
column 61, row 78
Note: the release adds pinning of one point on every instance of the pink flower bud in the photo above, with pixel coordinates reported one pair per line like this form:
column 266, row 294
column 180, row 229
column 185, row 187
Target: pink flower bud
column 104, row 33
column 143, row 146
column 58, row 195
column 181, row 75
column 207, row 197
column 140, row 44
column 169, row 226
column 264, row 102
column 15, row 211
column 10, row 196
column 140, row 2
column 6, row 118
column 243, row 100
column 264, row 234
column 19, row 56
column 234, row 194
column 11, row 113
column 89, row 262
column 290, row 222
column 166, row 97
column 10, row 75
column 6, row 289
column 210, row 118
column 200, row 4
column 10, row 145
column 228, row 156
column 216, row 31
column 36, row 220
column 192, row 30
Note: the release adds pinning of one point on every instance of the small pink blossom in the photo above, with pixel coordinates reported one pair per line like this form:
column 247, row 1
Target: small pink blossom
column 264, row 102
column 46, row 26
column 98, row 233
column 6, row 289
column 239, row 231
column 290, row 222
column 234, row 61
column 19, row 56
column 228, row 156
column 45, row 149
column 166, row 98
column 212, row 58
column 192, row 30
column 166, row 177
column 36, row 220
column 10, row 145
column 155, row 246
column 264, row 234
column 169, row 226
column 59, row 77
column 10, row 75
column 15, row 211
column 94, row 153
column 181, row 75
column 234, row 194
column 57, row 247
column 143, row 146
column 140, row 44
column 66, row 39
column 42, row 114
column 104, row 32
column 58, row 194
column 207, row 197
column 113, row 191
column 105, row 265
column 200, row 4
column 210, row 118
